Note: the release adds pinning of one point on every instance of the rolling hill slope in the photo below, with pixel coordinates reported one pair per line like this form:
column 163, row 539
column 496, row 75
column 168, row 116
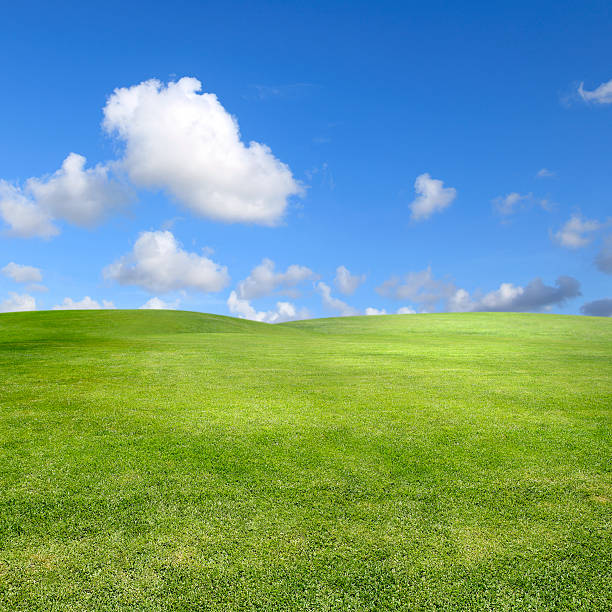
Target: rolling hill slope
column 171, row 460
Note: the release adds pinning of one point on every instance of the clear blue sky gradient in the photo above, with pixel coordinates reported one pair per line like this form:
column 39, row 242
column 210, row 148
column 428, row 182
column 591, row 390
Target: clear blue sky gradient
column 358, row 98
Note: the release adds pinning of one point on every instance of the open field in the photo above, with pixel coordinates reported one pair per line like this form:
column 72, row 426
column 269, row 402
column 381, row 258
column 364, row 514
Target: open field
column 157, row 460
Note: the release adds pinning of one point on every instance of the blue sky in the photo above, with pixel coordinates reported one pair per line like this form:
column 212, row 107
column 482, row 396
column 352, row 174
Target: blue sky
column 394, row 133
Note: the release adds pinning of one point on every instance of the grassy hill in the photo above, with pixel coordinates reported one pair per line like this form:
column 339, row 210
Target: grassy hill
column 156, row 460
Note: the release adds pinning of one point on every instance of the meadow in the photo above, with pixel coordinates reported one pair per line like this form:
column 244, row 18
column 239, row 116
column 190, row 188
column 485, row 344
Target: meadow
column 158, row 460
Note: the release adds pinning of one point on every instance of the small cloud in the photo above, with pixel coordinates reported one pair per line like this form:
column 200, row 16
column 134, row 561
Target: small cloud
column 600, row 95
column 432, row 197
column 156, row 303
column 405, row 310
column 333, row 303
column 347, row 283
column 577, row 232
column 17, row 302
column 375, row 311
column 264, row 280
column 545, row 173
column 284, row 311
column 85, row 304
column 22, row 274
column 598, row 308
column 513, row 202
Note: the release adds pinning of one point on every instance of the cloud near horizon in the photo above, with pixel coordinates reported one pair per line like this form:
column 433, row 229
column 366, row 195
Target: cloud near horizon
column 158, row 264
column 264, row 280
column 284, row 311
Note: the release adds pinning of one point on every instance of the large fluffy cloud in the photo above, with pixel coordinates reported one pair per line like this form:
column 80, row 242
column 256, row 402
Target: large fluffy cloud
column 82, row 196
column 599, row 95
column 186, row 143
column 577, row 232
column 18, row 302
column 158, row 264
column 432, row 197
column 86, row 303
column 264, row 280
column 347, row 283
column 598, row 308
column 604, row 258
column 284, row 311
column 22, row 274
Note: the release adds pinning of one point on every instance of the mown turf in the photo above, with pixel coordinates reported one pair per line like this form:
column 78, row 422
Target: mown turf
column 180, row 461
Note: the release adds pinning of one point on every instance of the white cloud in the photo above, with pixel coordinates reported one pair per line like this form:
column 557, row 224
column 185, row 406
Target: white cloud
column 405, row 310
column 156, row 303
column 186, row 143
column 157, row 263
column 419, row 287
column 506, row 205
column 284, row 311
column 347, row 283
column 82, row 196
column 18, row 303
column 24, row 218
column 604, row 257
column 22, row 274
column 375, row 311
column 433, row 197
column 85, row 304
column 599, row 95
column 263, row 280
column 545, row 173
column 511, row 203
column 577, row 232
column 333, row 303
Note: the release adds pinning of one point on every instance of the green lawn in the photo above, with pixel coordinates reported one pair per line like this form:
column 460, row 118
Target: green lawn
column 155, row 460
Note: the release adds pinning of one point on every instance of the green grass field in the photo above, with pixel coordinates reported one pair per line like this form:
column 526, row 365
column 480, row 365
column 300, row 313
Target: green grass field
column 156, row 460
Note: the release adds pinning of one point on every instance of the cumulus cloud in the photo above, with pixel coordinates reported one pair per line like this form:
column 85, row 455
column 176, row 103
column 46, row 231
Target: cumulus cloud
column 599, row 95
column 17, row 302
column 375, row 311
column 264, row 280
column 535, row 296
column 85, row 304
column 24, row 218
column 603, row 261
column 333, row 303
column 187, row 144
column 347, row 283
column 158, row 264
column 598, row 308
column 156, row 303
column 577, row 232
column 82, row 196
column 432, row 197
column 284, row 311
column 22, row 274
column 419, row 287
